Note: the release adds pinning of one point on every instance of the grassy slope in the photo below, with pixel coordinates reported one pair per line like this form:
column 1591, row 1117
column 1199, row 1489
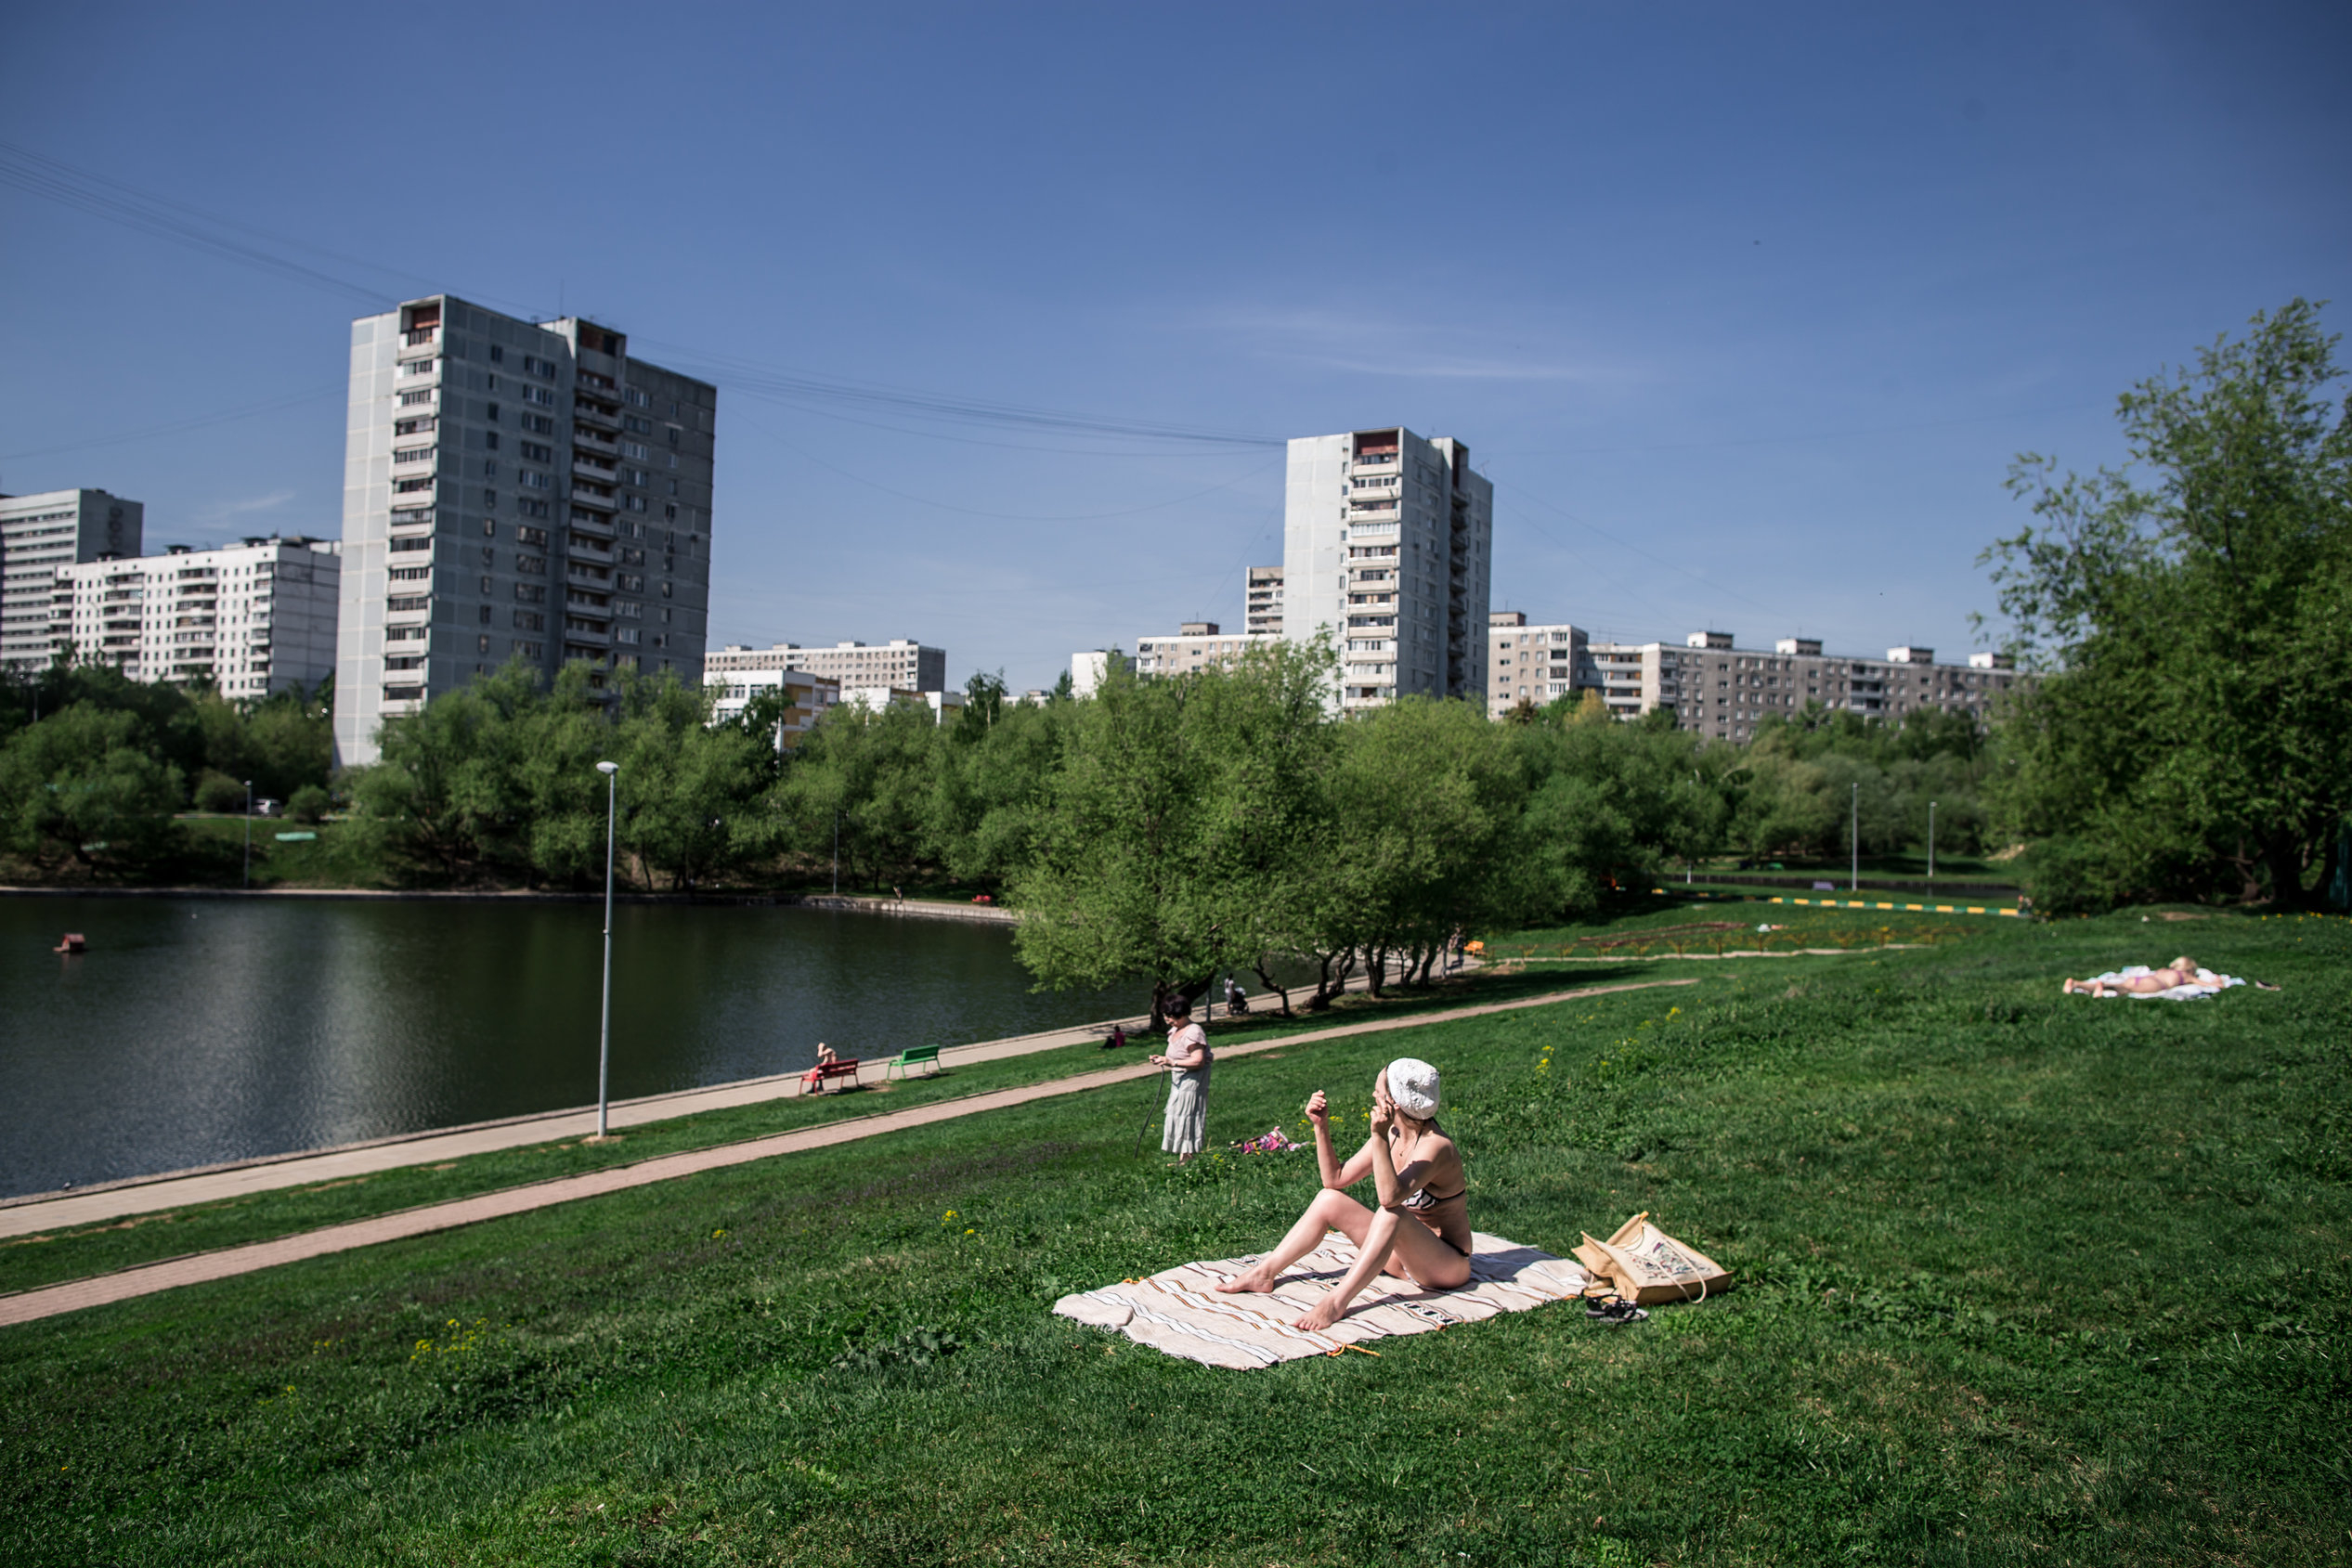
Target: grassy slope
column 45, row 1259
column 2021, row 1279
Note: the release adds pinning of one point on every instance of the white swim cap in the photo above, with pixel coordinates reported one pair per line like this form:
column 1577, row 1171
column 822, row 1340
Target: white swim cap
column 1413, row 1083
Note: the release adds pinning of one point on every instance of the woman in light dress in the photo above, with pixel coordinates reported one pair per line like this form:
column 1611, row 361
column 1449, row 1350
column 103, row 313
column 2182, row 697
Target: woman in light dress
column 1187, row 1061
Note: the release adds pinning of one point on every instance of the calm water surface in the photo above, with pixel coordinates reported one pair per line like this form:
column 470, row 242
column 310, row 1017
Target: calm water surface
column 201, row 1029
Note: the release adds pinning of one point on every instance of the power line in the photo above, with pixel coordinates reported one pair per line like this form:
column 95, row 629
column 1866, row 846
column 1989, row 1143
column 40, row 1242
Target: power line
column 289, row 401
column 180, row 223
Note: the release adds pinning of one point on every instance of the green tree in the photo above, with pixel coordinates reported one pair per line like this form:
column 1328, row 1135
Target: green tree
column 84, row 786
column 694, row 789
column 1168, row 845
column 2192, row 734
column 1613, row 803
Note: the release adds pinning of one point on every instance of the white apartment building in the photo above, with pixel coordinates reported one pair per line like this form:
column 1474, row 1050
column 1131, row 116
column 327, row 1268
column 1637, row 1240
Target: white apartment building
column 1090, row 667
column 1262, row 615
column 39, row 534
column 251, row 618
column 808, row 697
column 514, row 490
column 1724, row 690
column 874, row 699
column 1387, row 543
column 1197, row 645
column 900, row 662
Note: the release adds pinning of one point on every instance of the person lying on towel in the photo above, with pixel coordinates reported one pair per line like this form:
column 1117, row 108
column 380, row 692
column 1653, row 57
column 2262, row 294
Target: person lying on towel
column 1422, row 1229
column 2179, row 972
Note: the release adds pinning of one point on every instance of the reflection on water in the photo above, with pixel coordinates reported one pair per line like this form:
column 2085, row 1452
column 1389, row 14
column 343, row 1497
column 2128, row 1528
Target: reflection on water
column 197, row 1030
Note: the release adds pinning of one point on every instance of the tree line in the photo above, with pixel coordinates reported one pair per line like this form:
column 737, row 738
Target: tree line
column 2186, row 619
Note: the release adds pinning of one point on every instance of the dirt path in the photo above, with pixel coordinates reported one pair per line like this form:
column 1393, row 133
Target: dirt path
column 228, row 1261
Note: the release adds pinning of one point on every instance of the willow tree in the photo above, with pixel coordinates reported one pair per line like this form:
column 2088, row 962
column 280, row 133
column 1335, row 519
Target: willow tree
column 2192, row 614
column 1177, row 826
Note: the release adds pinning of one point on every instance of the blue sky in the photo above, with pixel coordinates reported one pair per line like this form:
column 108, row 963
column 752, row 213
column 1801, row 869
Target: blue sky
column 1744, row 311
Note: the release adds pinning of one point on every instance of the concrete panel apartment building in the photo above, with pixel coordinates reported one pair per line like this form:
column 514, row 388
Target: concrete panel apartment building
column 806, row 698
column 1387, row 542
column 1724, row 690
column 39, row 534
column 514, row 491
column 251, row 618
column 900, row 662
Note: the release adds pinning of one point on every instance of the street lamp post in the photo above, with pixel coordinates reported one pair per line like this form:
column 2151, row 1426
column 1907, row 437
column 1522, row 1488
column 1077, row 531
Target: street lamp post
column 605, row 1028
column 249, row 836
column 1854, row 837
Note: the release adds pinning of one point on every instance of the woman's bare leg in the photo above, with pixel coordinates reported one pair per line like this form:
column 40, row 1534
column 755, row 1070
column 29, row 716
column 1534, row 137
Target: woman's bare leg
column 1330, row 1212
column 1391, row 1240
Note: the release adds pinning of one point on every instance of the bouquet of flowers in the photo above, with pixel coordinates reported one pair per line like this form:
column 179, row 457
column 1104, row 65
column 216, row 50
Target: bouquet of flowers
column 1272, row 1143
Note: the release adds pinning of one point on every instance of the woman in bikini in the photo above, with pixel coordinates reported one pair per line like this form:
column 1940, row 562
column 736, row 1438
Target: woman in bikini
column 2179, row 972
column 1422, row 1229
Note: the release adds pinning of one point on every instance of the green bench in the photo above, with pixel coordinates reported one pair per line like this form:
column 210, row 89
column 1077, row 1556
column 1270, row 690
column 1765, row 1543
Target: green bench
column 914, row 1055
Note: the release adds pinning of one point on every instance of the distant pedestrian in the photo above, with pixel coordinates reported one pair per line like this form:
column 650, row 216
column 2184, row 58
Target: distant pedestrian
column 1117, row 1037
column 1188, row 1060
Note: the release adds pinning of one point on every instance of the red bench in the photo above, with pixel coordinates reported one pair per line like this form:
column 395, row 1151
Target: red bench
column 813, row 1080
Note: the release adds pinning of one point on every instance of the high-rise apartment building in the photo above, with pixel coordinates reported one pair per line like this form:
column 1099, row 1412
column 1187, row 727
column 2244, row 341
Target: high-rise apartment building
column 1387, row 543
column 38, row 534
column 251, row 618
column 900, row 662
column 514, row 491
column 1262, row 615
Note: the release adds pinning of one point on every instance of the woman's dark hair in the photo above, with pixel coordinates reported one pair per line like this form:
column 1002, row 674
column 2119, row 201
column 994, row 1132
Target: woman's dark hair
column 1176, row 1007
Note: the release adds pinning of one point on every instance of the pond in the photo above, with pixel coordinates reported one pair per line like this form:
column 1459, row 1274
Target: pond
column 200, row 1030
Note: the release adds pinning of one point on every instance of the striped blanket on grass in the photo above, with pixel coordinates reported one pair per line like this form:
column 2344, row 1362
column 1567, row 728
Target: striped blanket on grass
column 1180, row 1311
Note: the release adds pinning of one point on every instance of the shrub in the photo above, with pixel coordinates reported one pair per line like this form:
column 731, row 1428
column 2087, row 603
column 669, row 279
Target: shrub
column 309, row 804
column 216, row 791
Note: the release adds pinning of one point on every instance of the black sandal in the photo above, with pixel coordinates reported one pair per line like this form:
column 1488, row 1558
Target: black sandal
column 1615, row 1312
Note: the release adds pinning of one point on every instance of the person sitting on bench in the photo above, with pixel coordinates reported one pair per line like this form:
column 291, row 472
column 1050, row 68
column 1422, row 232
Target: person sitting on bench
column 1415, row 1233
column 2179, row 972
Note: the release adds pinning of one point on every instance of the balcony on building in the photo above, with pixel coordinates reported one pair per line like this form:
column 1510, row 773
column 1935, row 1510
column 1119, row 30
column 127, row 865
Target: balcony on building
column 587, row 440
column 598, row 496
column 586, row 633
column 593, row 523
column 598, row 414
column 585, row 546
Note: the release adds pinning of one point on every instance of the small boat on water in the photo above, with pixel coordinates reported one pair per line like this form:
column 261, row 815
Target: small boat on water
column 73, row 944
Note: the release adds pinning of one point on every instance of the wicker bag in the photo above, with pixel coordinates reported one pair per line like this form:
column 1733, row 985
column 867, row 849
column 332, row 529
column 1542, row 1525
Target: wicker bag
column 1642, row 1263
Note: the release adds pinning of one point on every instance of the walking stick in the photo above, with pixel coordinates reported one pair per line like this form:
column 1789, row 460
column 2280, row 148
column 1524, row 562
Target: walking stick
column 1152, row 1084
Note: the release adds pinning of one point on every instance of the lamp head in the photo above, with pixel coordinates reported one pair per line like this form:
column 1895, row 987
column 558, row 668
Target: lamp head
column 608, row 767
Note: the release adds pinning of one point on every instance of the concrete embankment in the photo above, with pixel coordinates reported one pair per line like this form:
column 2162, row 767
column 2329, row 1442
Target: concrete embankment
column 916, row 909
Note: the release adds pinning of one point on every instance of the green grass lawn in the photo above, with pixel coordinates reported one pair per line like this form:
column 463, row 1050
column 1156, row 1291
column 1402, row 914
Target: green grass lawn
column 2020, row 1278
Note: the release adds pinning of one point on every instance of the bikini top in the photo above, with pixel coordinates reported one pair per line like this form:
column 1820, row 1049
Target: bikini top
column 1421, row 1199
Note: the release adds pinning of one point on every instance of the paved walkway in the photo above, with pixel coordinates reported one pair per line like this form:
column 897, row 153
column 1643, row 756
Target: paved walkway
column 219, row 1184
column 229, row 1262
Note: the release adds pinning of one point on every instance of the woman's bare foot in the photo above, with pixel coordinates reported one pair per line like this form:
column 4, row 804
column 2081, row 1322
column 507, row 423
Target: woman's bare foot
column 1322, row 1314
column 1253, row 1283
column 2067, row 990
